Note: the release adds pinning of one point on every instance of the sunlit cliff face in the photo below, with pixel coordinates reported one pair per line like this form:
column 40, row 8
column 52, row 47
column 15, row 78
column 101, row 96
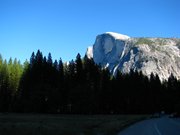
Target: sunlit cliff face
column 150, row 55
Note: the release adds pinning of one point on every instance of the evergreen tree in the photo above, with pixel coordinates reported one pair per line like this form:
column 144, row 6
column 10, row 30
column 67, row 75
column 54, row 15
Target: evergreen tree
column 5, row 93
column 82, row 87
column 32, row 59
column 49, row 60
column 79, row 68
column 61, row 70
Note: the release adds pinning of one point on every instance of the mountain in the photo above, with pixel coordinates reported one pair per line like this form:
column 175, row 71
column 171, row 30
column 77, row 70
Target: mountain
column 150, row 55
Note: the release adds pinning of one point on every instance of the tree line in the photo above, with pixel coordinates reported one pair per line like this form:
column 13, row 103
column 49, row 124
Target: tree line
column 10, row 75
column 81, row 87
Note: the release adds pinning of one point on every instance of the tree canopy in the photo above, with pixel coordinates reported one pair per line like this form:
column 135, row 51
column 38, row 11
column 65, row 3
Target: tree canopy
column 81, row 87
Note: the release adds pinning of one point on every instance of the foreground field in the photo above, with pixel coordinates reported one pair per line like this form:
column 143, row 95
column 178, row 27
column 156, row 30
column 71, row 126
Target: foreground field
column 36, row 124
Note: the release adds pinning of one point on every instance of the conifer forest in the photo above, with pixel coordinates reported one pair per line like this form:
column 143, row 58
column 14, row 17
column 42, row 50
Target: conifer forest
column 44, row 85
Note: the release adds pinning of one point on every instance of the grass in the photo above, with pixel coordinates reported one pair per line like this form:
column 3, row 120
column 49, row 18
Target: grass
column 36, row 124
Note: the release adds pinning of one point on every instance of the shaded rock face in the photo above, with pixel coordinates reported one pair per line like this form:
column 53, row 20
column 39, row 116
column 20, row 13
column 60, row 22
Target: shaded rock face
column 150, row 55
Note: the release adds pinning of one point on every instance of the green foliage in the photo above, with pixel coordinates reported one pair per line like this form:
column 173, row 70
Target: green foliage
column 10, row 74
column 15, row 71
column 81, row 87
column 144, row 41
column 161, row 41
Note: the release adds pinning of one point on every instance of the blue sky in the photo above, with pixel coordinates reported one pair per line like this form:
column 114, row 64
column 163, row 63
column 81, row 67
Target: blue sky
column 68, row 27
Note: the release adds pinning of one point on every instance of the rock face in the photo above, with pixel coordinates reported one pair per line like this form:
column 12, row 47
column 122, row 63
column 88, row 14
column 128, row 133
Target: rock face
column 150, row 55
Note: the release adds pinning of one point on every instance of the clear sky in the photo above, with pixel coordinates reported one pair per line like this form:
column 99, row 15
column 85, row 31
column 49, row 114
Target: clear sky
column 68, row 27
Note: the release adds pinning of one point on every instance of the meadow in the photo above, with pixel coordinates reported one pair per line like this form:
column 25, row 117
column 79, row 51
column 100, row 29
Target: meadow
column 48, row 124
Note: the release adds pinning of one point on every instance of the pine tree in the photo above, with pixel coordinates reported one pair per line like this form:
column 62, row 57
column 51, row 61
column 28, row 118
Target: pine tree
column 61, row 70
column 79, row 68
column 5, row 92
column 32, row 59
column 49, row 60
